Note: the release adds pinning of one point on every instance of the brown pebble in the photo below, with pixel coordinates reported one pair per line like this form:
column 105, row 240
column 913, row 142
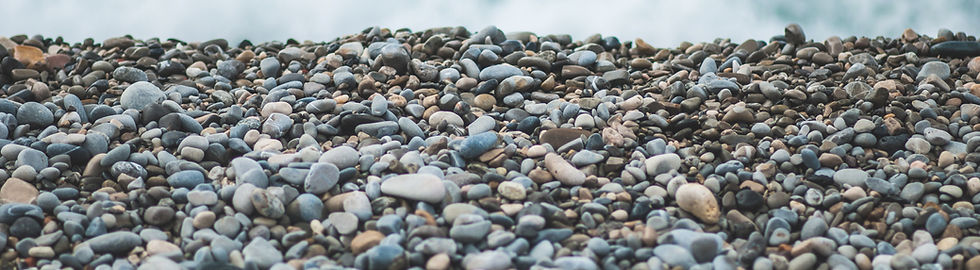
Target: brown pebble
column 365, row 241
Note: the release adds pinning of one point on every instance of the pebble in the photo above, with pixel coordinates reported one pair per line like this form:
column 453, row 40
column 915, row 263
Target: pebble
column 185, row 179
column 158, row 215
column 938, row 68
column 512, row 190
column 674, row 255
column 499, row 72
column 114, row 242
column 321, row 178
column 345, row 223
column 129, row 74
column 699, row 201
column 261, row 252
column 449, row 118
column 852, row 177
column 139, row 95
column 17, row 191
column 488, row 260
column 661, row 164
column 563, row 171
column 478, row 144
column 34, row 114
column 419, row 187
column 343, row 157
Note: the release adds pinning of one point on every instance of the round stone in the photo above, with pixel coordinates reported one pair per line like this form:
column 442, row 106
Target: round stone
column 512, row 190
column 34, row 114
column 699, row 201
column 158, row 215
column 139, row 95
column 321, row 178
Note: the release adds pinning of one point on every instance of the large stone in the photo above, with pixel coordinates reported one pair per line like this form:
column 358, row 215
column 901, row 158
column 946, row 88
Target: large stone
column 114, row 242
column 262, row 252
column 322, row 177
column 499, row 72
column 417, row 186
column 249, row 171
column 343, row 157
column 17, row 191
column 699, row 201
column 34, row 114
column 661, row 164
column 560, row 136
column 139, row 95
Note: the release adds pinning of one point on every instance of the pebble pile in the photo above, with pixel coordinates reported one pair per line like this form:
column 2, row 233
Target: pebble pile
column 446, row 149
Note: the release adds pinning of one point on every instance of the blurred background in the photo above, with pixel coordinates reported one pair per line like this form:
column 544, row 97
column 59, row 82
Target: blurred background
column 661, row 23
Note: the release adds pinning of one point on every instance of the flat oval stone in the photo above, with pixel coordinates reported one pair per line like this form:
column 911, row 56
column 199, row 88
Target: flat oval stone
column 114, row 242
column 417, row 186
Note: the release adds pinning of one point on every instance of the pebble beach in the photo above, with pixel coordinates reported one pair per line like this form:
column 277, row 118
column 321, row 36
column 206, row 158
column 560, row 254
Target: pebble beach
column 455, row 148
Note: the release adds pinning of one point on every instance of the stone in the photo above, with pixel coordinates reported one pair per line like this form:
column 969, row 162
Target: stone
column 365, row 240
column 321, row 178
column 794, row 34
column 164, row 248
column 487, row 260
column 306, row 207
column 563, row 171
column 512, row 190
column 270, row 66
column 25, row 227
column 561, row 136
column 576, row 262
column 418, row 186
column 344, row 222
column 475, row 145
column 674, row 255
column 266, row 203
column 449, row 118
column 918, row 145
column 810, row 159
column 33, row 158
column 185, row 179
column 114, row 242
column 499, row 72
column 938, row 68
column 241, row 200
column 586, row 157
column 249, row 171
column 863, row 125
column 140, row 94
column 129, row 74
column 17, row 191
column 699, row 201
column 469, row 228
column 936, row 137
column 34, row 114
column 481, row 124
column 704, row 248
column 227, row 226
column 343, row 157
column 262, row 253
column 661, row 164
column 852, row 177
column 804, row 261
column 814, row 227
column 158, row 215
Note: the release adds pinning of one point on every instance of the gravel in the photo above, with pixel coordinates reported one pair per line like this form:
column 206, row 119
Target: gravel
column 443, row 148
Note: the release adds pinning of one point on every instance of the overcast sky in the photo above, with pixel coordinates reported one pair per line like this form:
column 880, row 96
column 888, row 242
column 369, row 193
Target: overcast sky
column 662, row 23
